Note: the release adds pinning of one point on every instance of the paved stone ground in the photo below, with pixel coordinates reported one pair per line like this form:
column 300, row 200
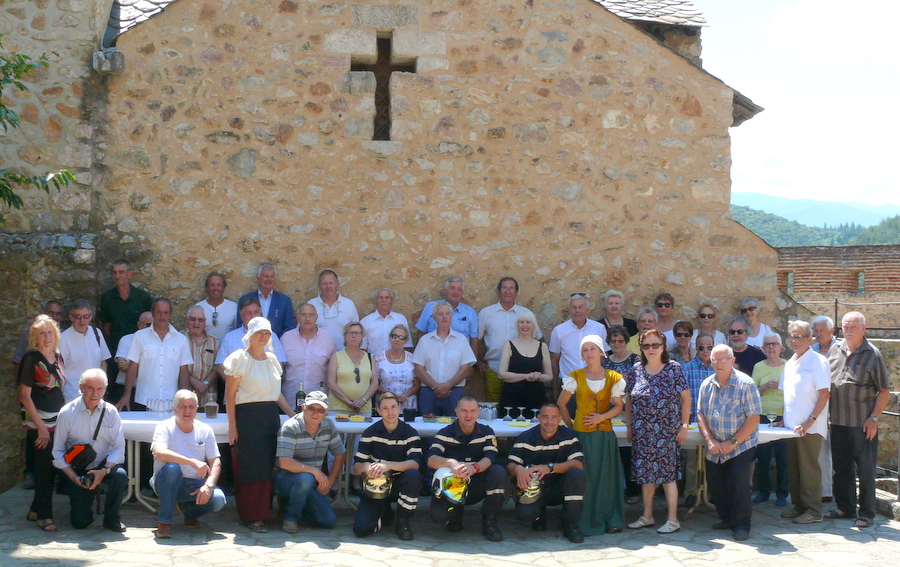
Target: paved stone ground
column 222, row 541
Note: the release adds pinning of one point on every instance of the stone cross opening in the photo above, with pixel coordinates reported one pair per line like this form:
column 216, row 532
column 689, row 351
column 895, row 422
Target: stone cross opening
column 382, row 68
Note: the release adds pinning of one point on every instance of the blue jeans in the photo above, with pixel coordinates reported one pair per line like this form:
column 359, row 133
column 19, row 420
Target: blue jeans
column 304, row 500
column 429, row 403
column 171, row 487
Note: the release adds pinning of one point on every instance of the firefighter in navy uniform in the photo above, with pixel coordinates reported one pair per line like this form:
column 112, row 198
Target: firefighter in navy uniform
column 547, row 468
column 388, row 458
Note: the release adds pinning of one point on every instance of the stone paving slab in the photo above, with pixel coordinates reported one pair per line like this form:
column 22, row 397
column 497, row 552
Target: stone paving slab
column 222, row 541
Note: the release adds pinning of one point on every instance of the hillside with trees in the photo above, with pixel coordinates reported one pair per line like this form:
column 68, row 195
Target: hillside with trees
column 778, row 231
column 886, row 232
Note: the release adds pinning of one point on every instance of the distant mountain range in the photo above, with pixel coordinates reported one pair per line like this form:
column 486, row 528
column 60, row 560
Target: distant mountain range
column 817, row 213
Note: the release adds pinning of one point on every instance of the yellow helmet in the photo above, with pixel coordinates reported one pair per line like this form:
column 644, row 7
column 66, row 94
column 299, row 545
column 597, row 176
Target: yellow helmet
column 377, row 487
column 528, row 495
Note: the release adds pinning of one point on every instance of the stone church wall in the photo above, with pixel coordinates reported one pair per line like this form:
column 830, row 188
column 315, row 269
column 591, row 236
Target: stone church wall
column 550, row 141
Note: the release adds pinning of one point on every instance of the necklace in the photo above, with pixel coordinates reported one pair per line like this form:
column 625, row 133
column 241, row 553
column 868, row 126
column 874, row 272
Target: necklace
column 395, row 360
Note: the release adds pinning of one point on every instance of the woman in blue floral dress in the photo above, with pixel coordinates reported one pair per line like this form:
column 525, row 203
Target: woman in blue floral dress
column 657, row 413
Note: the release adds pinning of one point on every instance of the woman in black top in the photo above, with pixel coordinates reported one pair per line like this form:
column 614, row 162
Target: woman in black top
column 41, row 380
column 524, row 368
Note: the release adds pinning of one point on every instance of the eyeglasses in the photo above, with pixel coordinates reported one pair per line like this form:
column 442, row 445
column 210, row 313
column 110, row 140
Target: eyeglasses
column 767, row 345
column 616, row 341
column 197, row 319
column 353, row 333
column 702, row 348
column 652, row 346
column 315, row 409
column 707, row 315
column 397, row 338
column 736, row 331
column 682, row 335
column 747, row 309
column 663, row 304
column 798, row 337
column 215, row 318
column 356, row 371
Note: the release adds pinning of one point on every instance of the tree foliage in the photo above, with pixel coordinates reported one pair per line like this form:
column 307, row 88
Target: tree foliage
column 886, row 232
column 778, row 231
column 13, row 68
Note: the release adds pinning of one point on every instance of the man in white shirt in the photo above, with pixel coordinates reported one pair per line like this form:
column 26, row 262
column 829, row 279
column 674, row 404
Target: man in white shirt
column 81, row 346
column 221, row 313
column 334, row 310
column 497, row 326
column 159, row 358
column 443, row 361
column 114, row 392
column 186, row 466
column 378, row 325
column 565, row 342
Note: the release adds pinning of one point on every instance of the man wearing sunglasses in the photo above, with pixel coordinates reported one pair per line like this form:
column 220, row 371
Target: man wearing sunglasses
column 745, row 356
column 221, row 313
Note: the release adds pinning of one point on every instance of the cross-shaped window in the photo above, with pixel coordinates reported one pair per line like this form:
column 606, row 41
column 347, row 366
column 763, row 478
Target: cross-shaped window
column 382, row 68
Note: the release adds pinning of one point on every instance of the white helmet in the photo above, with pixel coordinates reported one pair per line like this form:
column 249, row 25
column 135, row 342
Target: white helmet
column 446, row 485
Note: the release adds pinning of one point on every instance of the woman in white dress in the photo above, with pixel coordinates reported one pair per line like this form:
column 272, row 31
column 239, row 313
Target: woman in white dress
column 394, row 370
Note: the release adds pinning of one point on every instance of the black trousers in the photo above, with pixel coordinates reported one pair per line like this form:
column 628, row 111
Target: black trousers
column 849, row 449
column 489, row 485
column 82, row 499
column 566, row 489
column 405, row 491
column 44, row 476
column 730, row 490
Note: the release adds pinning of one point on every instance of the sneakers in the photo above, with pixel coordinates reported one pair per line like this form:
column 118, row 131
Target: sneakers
column 290, row 527
column 781, row 501
column 761, row 497
column 808, row 518
column 741, row 534
column 792, row 513
column 489, row 528
column 401, row 528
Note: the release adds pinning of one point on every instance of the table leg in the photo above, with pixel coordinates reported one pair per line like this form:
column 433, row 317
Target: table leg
column 135, row 462
column 344, row 484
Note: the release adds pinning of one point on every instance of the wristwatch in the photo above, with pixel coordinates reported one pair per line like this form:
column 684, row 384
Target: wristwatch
column 734, row 442
column 874, row 418
column 108, row 470
column 685, row 425
column 550, row 466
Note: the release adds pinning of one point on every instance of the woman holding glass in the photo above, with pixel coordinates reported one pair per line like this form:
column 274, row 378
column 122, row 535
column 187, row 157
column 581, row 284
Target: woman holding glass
column 351, row 381
column 41, row 380
column 394, row 371
column 657, row 415
column 252, row 399
column 598, row 399
column 525, row 369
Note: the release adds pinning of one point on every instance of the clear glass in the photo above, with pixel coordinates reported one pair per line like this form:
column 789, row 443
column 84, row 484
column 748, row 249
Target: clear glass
column 507, row 417
column 772, row 417
column 521, row 414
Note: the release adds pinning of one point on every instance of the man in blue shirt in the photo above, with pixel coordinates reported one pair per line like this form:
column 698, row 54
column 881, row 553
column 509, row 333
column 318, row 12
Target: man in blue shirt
column 465, row 319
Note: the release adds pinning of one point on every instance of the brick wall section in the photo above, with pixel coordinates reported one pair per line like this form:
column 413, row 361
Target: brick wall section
column 835, row 269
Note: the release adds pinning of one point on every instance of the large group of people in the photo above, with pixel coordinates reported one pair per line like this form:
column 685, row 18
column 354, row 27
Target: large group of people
column 259, row 358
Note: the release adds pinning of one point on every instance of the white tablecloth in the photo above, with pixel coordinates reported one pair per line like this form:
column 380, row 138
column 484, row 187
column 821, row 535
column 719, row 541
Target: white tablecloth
column 139, row 426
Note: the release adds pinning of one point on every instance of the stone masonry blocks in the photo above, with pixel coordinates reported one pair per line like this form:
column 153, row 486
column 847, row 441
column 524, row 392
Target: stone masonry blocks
column 361, row 44
column 385, row 17
column 358, row 82
column 414, row 44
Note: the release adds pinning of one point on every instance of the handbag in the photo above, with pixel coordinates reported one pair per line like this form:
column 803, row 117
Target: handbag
column 80, row 456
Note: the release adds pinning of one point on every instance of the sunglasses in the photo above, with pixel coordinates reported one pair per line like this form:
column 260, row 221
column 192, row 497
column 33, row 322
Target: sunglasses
column 215, row 318
column 398, row 338
column 356, row 371
column 663, row 304
column 701, row 348
column 682, row 335
column 315, row 409
column 707, row 315
column 748, row 309
column 652, row 346
column 736, row 331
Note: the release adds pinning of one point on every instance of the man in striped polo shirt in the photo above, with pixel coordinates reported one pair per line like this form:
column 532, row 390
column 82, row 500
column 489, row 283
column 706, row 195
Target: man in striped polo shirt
column 303, row 442
column 552, row 454
column 392, row 447
column 859, row 393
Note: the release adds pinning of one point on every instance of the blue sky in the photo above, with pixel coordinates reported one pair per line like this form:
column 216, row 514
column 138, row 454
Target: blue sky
column 828, row 74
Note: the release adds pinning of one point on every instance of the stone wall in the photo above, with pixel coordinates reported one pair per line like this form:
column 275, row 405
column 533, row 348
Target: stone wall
column 34, row 269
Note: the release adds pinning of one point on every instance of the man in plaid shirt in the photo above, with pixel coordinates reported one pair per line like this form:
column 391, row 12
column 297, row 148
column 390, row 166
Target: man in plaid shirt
column 728, row 416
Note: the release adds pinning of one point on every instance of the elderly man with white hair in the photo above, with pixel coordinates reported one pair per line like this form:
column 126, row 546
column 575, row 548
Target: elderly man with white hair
column 274, row 306
column 823, row 330
column 379, row 323
column 88, row 420
column 565, row 343
column 728, row 417
column 201, row 372
column 464, row 320
column 859, row 394
column 186, row 466
column 443, row 361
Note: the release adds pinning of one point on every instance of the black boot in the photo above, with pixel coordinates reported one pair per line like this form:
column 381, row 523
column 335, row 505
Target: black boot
column 490, row 529
column 539, row 524
column 455, row 523
column 573, row 532
column 401, row 528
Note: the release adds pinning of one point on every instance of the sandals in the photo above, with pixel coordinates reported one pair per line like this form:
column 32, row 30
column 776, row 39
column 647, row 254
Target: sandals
column 258, row 527
column 641, row 522
column 669, row 528
column 837, row 514
column 863, row 523
column 47, row 524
